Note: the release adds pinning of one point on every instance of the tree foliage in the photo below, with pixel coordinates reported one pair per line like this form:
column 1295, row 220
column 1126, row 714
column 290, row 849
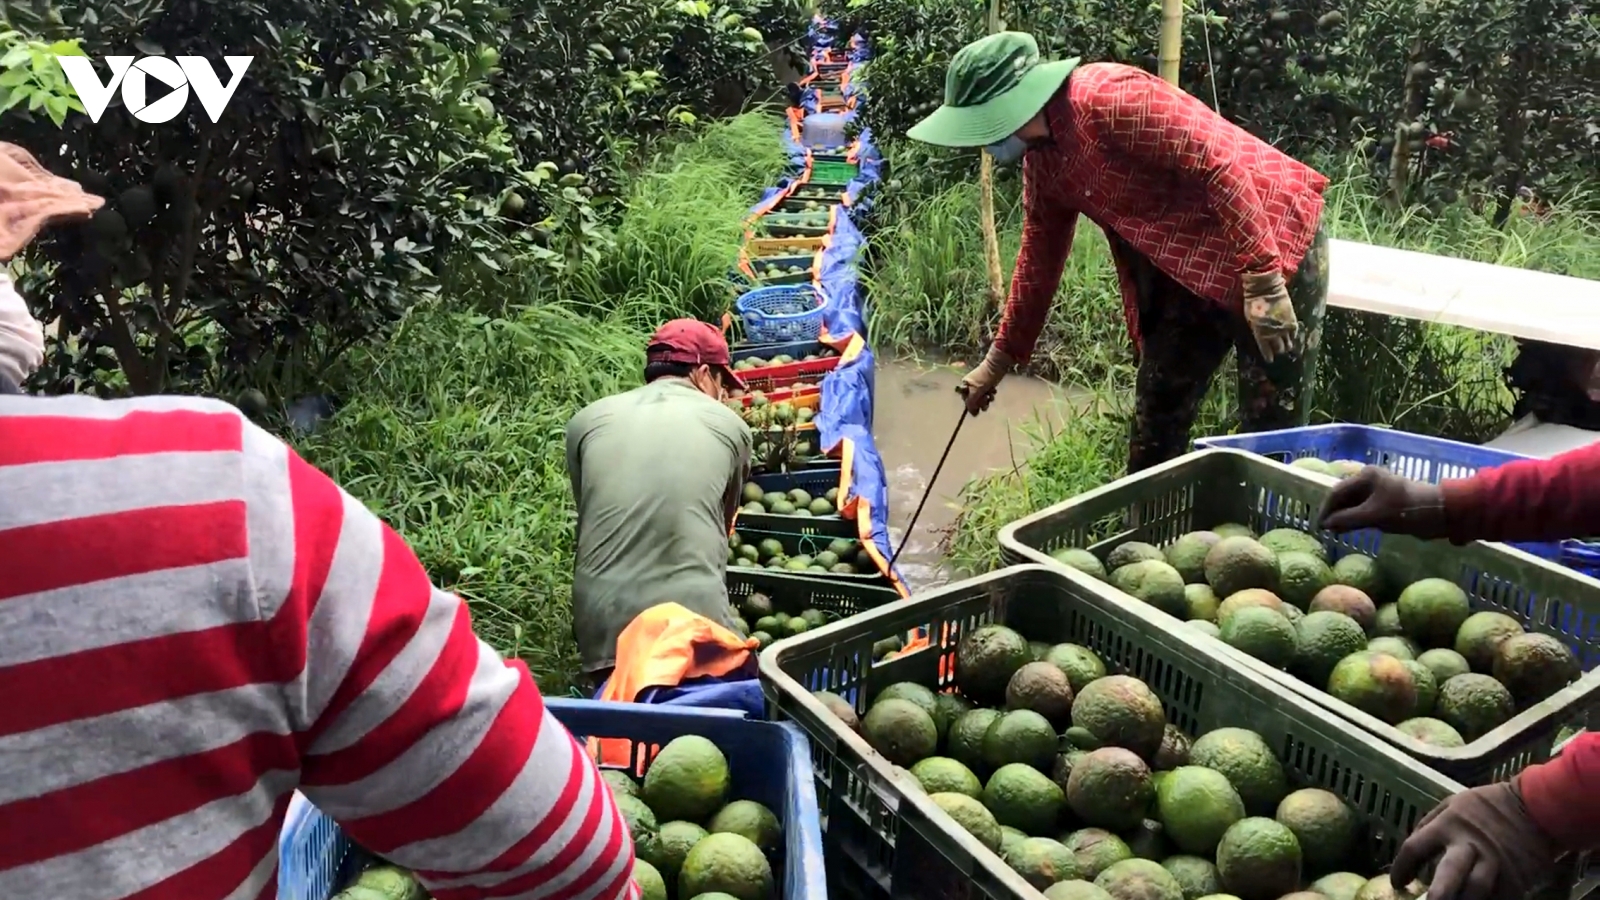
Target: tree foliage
column 374, row 153
column 1486, row 97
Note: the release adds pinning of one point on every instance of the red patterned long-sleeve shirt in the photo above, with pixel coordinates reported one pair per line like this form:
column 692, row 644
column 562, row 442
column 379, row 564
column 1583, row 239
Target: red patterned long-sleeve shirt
column 1200, row 197
column 194, row 622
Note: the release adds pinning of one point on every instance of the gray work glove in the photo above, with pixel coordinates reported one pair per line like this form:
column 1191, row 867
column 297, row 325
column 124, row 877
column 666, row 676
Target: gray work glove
column 1270, row 313
column 1378, row 498
column 1486, row 845
column 979, row 385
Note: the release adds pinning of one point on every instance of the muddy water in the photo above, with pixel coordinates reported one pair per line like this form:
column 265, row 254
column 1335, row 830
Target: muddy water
column 916, row 409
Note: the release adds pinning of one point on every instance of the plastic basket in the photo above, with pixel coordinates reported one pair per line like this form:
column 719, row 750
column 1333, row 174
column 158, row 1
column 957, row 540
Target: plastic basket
column 314, row 858
column 794, row 542
column 878, row 819
column 767, row 318
column 1415, row 456
column 786, row 248
column 833, row 173
column 1215, row 486
column 793, row 593
column 770, row 764
column 815, row 482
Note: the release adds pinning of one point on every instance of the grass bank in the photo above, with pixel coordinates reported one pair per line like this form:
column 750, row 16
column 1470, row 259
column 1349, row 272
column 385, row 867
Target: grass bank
column 454, row 432
column 928, row 290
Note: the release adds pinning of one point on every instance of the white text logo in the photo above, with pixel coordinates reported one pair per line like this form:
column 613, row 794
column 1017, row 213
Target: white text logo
column 179, row 74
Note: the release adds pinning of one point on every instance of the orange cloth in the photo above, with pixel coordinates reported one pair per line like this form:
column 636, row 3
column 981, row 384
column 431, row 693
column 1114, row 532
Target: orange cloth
column 662, row 647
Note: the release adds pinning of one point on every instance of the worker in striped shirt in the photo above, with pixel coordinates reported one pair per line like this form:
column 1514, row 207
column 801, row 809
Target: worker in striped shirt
column 1216, row 235
column 194, row 623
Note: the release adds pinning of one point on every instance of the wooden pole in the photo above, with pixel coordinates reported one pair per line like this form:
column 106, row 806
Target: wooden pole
column 991, row 239
column 1171, row 39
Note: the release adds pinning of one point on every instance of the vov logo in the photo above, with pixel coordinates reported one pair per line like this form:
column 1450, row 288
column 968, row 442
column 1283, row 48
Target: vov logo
column 178, row 74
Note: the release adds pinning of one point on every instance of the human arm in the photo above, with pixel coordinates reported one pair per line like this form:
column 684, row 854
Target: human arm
column 734, row 493
column 1154, row 124
column 21, row 336
column 425, row 745
column 1503, row 839
column 1560, row 794
column 1047, row 231
column 1527, row 500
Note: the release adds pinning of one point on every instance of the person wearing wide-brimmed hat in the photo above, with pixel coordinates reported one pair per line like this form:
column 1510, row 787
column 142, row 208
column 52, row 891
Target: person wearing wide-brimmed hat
column 1217, row 236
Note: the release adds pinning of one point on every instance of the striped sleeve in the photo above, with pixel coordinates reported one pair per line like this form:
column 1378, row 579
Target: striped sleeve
column 419, row 739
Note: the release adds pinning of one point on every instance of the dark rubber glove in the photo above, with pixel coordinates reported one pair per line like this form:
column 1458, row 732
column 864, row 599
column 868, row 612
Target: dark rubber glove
column 1485, row 844
column 1378, row 498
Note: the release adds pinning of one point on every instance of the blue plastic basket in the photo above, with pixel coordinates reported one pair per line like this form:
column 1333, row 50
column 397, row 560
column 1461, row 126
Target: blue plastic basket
column 767, row 317
column 770, row 763
column 1415, row 456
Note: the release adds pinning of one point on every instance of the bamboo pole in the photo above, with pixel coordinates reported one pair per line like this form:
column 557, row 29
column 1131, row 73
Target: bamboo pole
column 1170, row 40
column 991, row 239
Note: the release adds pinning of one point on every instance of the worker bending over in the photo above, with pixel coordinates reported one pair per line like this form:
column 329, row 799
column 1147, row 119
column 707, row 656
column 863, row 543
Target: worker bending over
column 1500, row 840
column 1216, row 235
column 194, row 623
column 657, row 474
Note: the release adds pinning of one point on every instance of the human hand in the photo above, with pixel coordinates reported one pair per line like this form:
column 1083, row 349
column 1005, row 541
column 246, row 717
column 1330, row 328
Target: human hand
column 1485, row 843
column 1378, row 498
column 979, row 385
column 1270, row 313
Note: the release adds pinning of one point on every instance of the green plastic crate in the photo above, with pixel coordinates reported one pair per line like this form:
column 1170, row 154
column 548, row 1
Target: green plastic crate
column 1210, row 487
column 878, row 818
column 810, row 544
column 795, row 593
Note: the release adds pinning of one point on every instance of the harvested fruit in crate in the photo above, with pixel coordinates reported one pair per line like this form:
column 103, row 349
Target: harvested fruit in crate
column 761, row 414
column 817, row 219
column 1413, row 655
column 688, row 832
column 797, row 553
column 782, row 359
column 1122, row 804
column 776, row 271
column 766, row 624
column 796, row 502
column 383, row 882
column 770, row 249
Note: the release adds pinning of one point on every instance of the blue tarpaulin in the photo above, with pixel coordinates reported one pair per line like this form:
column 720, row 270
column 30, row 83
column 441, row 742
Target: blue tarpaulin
column 844, row 420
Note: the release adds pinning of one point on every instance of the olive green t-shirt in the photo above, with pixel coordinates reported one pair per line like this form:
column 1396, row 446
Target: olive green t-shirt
column 652, row 472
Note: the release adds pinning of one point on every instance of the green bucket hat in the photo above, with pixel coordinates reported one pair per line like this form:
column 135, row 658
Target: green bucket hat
column 994, row 86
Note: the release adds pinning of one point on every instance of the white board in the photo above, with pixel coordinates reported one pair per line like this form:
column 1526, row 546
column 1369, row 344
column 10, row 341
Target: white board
column 1522, row 303
column 1531, row 437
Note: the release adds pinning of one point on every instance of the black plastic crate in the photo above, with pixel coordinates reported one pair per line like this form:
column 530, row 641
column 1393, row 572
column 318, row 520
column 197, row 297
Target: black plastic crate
column 793, row 594
column 877, row 817
column 1209, row 487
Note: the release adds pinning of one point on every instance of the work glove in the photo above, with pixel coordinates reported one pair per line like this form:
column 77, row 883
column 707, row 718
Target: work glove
column 31, row 198
column 1270, row 314
column 979, row 385
column 1378, row 498
column 1486, row 845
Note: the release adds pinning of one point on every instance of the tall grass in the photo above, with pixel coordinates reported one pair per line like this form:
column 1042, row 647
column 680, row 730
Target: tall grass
column 455, row 429
column 682, row 225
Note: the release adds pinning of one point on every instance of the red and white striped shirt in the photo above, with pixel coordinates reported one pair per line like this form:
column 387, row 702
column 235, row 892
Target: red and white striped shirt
column 194, row 622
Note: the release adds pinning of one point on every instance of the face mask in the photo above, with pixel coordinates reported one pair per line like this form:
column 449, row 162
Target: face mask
column 1008, row 151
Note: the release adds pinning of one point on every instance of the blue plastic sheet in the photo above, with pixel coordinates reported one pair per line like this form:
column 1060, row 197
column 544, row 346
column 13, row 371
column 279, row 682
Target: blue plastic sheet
column 741, row 691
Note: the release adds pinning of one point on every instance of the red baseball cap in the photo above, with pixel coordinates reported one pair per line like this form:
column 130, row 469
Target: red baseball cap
column 695, row 343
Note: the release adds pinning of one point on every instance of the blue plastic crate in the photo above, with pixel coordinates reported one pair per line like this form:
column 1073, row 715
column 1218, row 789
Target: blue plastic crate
column 1415, row 456
column 769, row 317
column 770, row 763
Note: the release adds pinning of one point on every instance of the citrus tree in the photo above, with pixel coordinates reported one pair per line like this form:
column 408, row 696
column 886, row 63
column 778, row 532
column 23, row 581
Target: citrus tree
column 374, row 153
